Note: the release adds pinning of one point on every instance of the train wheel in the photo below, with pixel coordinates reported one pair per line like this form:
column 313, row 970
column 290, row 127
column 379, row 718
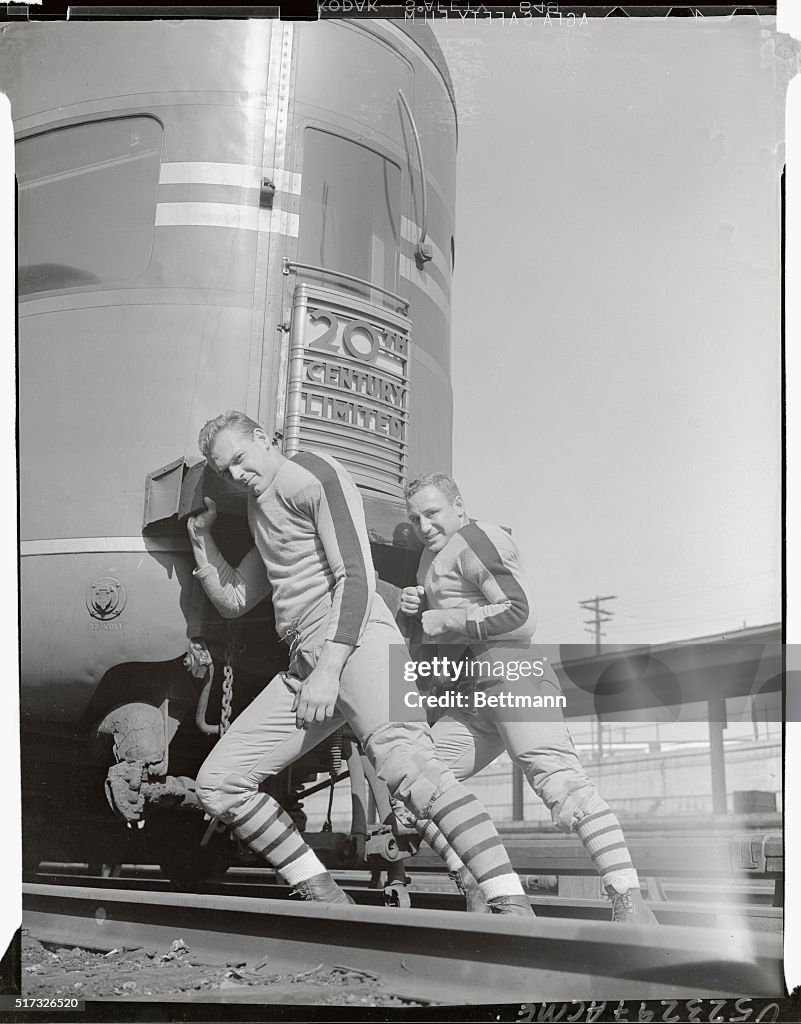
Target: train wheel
column 180, row 856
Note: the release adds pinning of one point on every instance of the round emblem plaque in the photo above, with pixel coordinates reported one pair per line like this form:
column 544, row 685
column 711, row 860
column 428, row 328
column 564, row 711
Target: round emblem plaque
column 105, row 598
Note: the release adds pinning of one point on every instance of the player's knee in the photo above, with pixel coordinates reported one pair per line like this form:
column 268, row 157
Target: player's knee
column 411, row 770
column 564, row 789
column 208, row 795
column 572, row 806
column 220, row 795
column 404, row 817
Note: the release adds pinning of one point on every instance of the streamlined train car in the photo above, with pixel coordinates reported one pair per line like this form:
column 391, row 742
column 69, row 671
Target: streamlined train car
column 211, row 215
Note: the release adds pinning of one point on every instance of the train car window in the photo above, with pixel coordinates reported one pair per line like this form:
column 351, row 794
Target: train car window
column 87, row 203
column 351, row 211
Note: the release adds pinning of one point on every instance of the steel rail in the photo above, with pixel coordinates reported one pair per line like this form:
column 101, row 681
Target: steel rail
column 434, row 955
column 719, row 856
column 698, row 913
column 689, row 825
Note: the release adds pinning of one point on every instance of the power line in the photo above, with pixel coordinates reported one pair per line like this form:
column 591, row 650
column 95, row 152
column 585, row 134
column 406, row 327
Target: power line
column 601, row 615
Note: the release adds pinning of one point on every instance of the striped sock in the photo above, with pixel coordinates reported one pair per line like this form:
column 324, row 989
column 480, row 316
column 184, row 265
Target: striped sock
column 439, row 844
column 469, row 831
column 603, row 840
column 268, row 829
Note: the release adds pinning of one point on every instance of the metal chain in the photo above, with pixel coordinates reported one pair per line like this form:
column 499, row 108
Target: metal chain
column 215, row 825
column 228, row 686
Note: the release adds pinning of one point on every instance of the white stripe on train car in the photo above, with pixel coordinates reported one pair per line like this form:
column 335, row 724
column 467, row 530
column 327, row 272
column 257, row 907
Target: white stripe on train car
column 280, row 222
column 100, row 545
column 285, row 181
column 198, row 172
column 425, row 282
column 210, row 215
column 226, row 215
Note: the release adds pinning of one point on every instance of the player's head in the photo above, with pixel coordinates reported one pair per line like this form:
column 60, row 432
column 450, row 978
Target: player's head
column 435, row 509
column 238, row 449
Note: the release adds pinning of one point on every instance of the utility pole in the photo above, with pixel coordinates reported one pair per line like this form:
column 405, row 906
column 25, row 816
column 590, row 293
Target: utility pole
column 602, row 615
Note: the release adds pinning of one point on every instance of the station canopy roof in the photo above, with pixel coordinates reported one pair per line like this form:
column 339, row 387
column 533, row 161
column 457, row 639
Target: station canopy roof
column 747, row 663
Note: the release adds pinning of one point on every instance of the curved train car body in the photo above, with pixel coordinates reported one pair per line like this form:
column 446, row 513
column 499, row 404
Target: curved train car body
column 211, row 215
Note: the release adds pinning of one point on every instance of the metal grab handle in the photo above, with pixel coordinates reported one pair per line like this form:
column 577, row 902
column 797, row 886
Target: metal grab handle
column 423, row 252
column 200, row 710
column 293, row 265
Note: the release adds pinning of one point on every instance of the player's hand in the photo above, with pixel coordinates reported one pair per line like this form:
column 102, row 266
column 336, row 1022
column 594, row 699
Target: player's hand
column 412, row 600
column 200, row 525
column 316, row 697
column 445, row 620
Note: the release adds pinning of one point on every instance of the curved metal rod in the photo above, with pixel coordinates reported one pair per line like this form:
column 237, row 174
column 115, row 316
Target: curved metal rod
column 294, row 265
column 358, row 800
column 202, row 705
column 422, row 238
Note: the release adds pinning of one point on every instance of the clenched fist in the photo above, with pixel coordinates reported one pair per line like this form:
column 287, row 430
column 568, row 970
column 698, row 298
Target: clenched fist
column 200, row 525
column 412, row 600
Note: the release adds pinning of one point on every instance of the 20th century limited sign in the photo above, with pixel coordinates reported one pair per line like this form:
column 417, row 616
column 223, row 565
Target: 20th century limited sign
column 348, row 389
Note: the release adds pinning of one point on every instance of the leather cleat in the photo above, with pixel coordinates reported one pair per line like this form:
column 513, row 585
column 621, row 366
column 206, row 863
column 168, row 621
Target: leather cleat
column 629, row 907
column 517, row 906
column 321, row 889
column 468, row 887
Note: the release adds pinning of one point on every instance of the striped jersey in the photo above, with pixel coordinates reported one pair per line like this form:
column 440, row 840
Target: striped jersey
column 479, row 569
column 312, row 551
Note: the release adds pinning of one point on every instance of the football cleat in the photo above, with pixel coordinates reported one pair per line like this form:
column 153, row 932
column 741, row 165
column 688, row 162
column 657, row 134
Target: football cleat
column 321, row 889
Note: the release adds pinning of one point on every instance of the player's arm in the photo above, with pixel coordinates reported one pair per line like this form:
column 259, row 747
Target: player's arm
column 495, row 570
column 232, row 591
column 335, row 506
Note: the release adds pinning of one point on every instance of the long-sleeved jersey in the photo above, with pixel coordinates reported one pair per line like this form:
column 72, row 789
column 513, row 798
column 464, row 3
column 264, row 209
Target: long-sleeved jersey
column 312, row 551
column 479, row 570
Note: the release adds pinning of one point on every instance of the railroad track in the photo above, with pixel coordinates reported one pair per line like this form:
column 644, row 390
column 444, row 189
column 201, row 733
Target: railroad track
column 424, row 954
column 705, row 908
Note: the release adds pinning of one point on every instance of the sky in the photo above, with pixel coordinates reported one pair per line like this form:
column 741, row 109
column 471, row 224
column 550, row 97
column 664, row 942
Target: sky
column 616, row 314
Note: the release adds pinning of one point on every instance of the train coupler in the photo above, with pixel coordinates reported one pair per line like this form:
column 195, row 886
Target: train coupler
column 383, row 845
column 131, row 790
